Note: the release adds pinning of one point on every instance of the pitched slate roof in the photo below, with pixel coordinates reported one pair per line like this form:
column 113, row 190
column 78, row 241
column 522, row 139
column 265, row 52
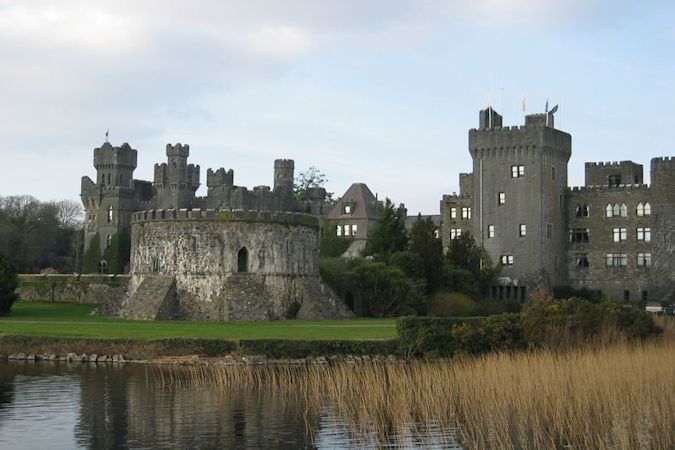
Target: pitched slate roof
column 363, row 202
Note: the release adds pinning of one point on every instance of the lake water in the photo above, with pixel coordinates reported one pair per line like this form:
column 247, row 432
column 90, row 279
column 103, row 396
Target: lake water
column 70, row 406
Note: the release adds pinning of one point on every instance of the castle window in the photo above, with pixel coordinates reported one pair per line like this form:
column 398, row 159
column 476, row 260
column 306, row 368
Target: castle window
column 455, row 233
column 578, row 235
column 437, row 233
column 506, row 260
column 108, row 241
column 453, row 213
column 522, row 230
column 618, row 234
column 623, row 210
column 110, row 213
column 643, row 210
column 626, row 296
column 346, row 230
column 549, row 230
column 581, row 259
column 466, row 212
column 644, row 259
column 501, row 198
column 616, row 260
column 491, row 231
column 616, row 210
column 644, row 234
column 103, row 266
column 614, row 180
column 108, row 178
column 517, row 171
column 581, row 210
column 102, row 178
column 242, row 260
column 354, row 230
column 339, row 230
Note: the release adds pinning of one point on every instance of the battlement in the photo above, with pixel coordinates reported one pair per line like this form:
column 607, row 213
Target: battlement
column 178, row 150
column 108, row 156
column 219, row 178
column 284, row 163
column 606, row 188
column 610, row 164
column 261, row 189
column 664, row 161
column 455, row 197
column 218, row 215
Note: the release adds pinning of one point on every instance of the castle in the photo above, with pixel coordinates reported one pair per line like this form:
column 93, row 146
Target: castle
column 235, row 254
column 615, row 234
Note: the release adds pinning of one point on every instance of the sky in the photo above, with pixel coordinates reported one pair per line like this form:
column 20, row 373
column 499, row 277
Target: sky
column 375, row 91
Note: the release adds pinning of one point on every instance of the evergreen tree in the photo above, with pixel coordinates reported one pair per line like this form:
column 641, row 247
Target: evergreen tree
column 422, row 241
column 8, row 284
column 92, row 257
column 117, row 254
column 389, row 235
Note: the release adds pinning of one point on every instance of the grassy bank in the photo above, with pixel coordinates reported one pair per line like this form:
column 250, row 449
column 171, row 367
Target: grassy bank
column 615, row 397
column 70, row 320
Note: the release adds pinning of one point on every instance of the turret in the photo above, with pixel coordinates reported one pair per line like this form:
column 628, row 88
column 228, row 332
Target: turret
column 176, row 181
column 283, row 175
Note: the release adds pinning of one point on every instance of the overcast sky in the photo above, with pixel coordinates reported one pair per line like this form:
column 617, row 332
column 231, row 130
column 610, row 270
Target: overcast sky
column 381, row 91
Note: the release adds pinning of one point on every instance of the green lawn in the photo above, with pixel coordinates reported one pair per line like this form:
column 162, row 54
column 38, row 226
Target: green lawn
column 70, row 320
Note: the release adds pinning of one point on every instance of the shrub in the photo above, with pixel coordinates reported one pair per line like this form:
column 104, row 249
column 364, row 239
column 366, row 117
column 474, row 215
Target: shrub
column 385, row 291
column 501, row 332
column 428, row 335
column 8, row 284
column 452, row 304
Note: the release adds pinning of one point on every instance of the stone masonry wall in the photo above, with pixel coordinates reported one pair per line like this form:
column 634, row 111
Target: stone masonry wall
column 201, row 250
column 85, row 289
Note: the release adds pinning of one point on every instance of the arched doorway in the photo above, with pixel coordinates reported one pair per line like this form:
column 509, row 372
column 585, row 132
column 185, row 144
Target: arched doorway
column 349, row 301
column 242, row 260
column 103, row 266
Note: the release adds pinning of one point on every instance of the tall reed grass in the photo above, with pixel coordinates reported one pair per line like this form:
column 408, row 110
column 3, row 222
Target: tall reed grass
column 596, row 397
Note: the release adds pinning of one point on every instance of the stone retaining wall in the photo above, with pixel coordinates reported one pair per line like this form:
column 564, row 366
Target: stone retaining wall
column 75, row 288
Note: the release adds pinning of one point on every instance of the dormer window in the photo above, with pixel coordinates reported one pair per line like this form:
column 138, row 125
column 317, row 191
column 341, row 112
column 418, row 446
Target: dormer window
column 348, row 209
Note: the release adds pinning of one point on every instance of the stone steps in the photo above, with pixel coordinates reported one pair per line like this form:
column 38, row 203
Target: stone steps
column 154, row 299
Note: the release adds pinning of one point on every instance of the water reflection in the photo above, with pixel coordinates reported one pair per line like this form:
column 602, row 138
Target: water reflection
column 52, row 405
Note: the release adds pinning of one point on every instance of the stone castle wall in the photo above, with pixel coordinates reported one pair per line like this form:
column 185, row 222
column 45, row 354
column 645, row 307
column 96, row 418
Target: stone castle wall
column 204, row 251
column 75, row 288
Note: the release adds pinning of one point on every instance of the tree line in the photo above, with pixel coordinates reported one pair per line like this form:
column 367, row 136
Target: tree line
column 35, row 235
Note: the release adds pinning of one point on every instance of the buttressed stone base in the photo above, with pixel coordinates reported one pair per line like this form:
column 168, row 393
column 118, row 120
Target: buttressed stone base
column 227, row 265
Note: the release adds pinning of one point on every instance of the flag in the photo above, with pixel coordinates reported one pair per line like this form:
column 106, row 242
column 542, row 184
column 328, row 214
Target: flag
column 553, row 110
column 546, row 109
column 523, row 104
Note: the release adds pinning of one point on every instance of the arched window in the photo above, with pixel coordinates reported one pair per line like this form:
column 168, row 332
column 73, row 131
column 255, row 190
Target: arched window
column 242, row 260
column 108, row 178
column 577, row 211
column 103, row 266
column 640, row 210
column 608, row 210
column 110, row 213
column 616, row 210
column 584, row 210
column 109, row 240
column 648, row 209
column 624, row 210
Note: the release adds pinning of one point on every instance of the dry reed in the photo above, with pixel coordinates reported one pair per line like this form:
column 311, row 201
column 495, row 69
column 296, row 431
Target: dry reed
column 603, row 397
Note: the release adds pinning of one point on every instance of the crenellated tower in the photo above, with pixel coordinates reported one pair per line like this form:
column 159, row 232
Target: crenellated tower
column 176, row 181
column 109, row 201
column 519, row 185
